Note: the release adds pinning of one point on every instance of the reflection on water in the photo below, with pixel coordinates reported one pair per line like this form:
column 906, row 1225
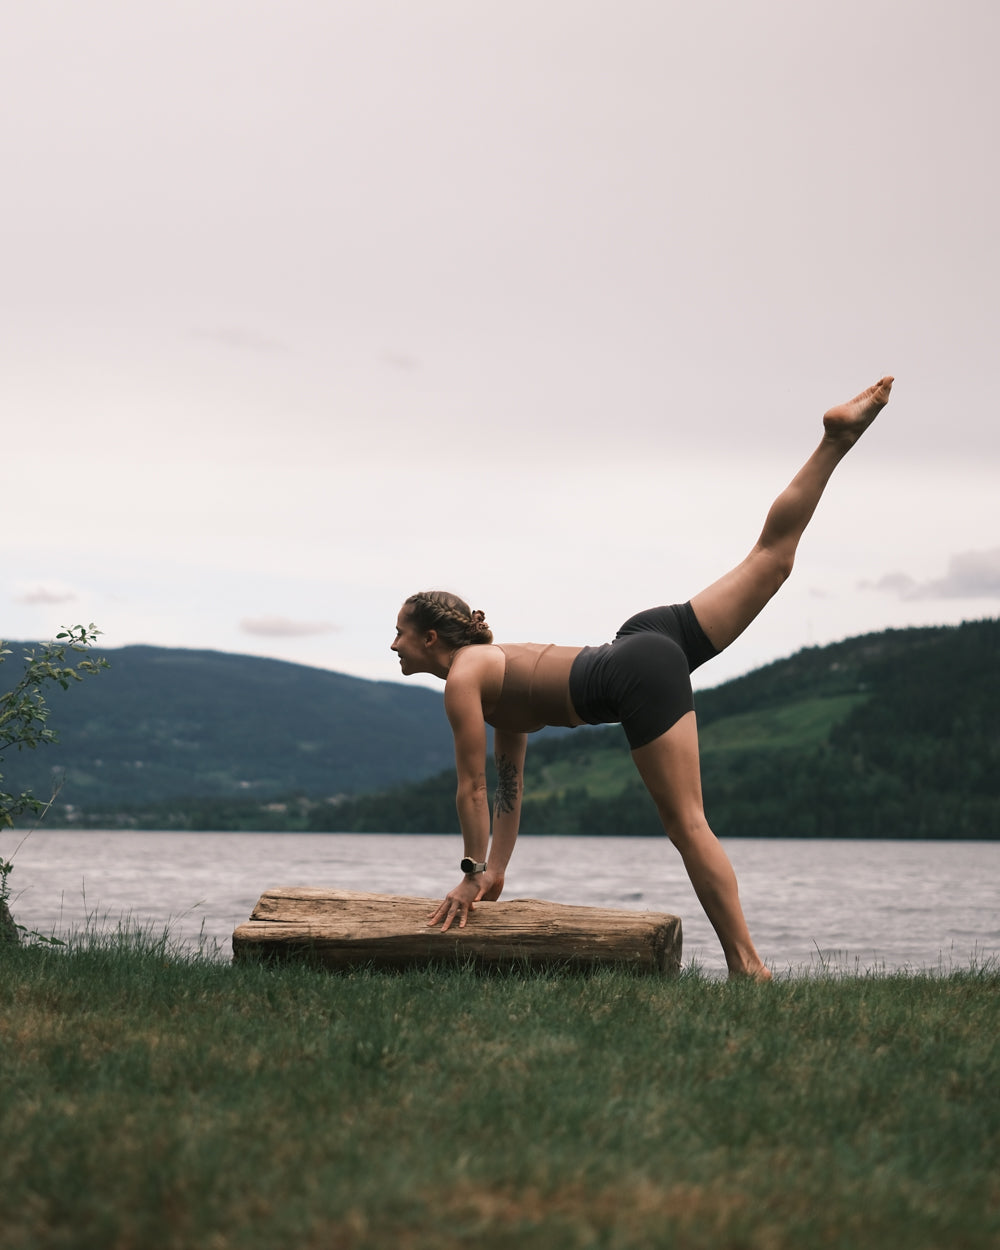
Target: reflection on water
column 851, row 905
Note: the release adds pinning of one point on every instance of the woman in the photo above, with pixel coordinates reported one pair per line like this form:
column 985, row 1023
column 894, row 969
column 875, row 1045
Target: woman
column 642, row 679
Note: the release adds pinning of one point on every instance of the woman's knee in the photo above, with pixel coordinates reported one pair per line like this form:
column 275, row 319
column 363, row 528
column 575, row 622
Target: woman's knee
column 680, row 810
column 776, row 563
column 686, row 831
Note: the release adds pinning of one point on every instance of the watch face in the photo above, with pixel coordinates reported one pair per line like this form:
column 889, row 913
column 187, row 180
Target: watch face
column 468, row 865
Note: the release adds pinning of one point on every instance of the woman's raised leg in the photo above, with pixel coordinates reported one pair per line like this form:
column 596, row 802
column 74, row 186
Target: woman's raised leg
column 727, row 607
column 670, row 769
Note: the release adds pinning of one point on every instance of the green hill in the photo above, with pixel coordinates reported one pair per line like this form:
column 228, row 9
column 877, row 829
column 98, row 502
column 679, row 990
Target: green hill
column 893, row 735
column 164, row 724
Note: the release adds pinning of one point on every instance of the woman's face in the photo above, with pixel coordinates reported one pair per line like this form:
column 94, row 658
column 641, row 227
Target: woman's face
column 410, row 645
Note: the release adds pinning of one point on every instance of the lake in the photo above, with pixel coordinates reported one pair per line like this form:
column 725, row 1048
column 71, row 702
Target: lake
column 855, row 906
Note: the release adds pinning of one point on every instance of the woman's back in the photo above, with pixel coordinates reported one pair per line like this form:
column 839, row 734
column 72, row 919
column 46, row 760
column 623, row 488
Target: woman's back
column 535, row 690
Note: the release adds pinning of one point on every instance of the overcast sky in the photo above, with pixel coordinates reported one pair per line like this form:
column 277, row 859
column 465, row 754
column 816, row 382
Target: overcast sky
column 310, row 304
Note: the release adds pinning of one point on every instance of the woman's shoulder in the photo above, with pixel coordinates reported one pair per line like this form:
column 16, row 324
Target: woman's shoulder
column 496, row 655
column 478, row 659
column 476, row 670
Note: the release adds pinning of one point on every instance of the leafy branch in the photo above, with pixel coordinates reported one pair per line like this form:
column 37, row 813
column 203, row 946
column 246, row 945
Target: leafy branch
column 24, row 714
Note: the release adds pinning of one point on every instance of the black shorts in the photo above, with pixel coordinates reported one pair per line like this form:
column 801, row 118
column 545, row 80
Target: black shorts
column 643, row 678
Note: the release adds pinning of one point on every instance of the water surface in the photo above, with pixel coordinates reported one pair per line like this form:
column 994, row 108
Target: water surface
column 854, row 905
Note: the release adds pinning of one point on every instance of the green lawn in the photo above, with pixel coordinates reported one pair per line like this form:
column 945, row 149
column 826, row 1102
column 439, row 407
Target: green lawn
column 151, row 1100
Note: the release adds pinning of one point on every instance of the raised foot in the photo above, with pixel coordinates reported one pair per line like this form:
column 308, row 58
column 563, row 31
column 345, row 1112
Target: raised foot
column 850, row 420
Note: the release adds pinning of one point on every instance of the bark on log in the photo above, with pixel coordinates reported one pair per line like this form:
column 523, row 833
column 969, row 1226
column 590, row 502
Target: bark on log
column 342, row 929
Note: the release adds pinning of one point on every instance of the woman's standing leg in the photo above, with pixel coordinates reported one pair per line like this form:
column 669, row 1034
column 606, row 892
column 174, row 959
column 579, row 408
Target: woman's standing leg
column 670, row 769
column 727, row 607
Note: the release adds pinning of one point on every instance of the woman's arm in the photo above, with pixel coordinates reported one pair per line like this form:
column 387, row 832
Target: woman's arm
column 509, row 751
column 464, row 707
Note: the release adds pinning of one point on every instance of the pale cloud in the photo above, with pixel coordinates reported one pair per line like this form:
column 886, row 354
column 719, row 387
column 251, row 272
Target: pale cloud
column 400, row 360
column 901, row 584
column 970, row 575
column 46, row 593
column 284, row 627
column 241, row 339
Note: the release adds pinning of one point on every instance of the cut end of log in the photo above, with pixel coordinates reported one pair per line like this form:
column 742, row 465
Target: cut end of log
column 344, row 929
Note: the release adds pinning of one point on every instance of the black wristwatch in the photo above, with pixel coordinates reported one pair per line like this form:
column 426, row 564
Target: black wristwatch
column 470, row 867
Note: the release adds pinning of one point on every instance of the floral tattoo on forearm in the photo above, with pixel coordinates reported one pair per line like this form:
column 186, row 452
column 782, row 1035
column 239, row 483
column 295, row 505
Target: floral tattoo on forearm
column 506, row 792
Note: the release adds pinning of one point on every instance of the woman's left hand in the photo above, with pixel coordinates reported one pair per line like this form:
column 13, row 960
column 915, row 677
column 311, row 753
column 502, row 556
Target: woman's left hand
column 492, row 886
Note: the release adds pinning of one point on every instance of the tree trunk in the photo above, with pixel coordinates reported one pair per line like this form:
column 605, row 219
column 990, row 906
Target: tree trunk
column 341, row 929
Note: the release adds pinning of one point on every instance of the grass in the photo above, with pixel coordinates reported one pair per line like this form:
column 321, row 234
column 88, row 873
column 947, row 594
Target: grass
column 149, row 1099
column 604, row 774
column 804, row 723
column 800, row 725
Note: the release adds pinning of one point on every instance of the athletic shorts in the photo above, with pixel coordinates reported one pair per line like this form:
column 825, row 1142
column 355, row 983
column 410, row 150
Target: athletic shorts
column 643, row 678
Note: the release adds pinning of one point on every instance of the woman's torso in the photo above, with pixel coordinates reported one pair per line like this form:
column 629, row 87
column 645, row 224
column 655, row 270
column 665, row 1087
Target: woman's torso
column 535, row 690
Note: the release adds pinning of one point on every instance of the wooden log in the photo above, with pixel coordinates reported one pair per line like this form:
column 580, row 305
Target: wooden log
column 343, row 929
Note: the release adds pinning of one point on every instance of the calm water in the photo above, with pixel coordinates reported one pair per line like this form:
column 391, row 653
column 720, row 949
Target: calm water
column 854, row 905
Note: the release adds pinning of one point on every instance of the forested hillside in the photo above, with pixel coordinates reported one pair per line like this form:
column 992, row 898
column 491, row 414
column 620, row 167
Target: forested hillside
column 892, row 735
column 895, row 734
column 164, row 724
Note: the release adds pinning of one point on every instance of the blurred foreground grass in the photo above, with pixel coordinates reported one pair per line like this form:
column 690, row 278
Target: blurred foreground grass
column 151, row 1099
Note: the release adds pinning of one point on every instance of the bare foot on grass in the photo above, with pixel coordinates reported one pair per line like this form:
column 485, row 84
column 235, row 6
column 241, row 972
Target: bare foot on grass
column 849, row 421
column 761, row 973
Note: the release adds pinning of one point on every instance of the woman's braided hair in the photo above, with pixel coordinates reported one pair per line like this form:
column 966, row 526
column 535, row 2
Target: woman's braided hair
column 455, row 622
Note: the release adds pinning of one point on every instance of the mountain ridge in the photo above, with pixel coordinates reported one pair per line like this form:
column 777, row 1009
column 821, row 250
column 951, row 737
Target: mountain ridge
column 165, row 722
column 893, row 734
column 887, row 734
